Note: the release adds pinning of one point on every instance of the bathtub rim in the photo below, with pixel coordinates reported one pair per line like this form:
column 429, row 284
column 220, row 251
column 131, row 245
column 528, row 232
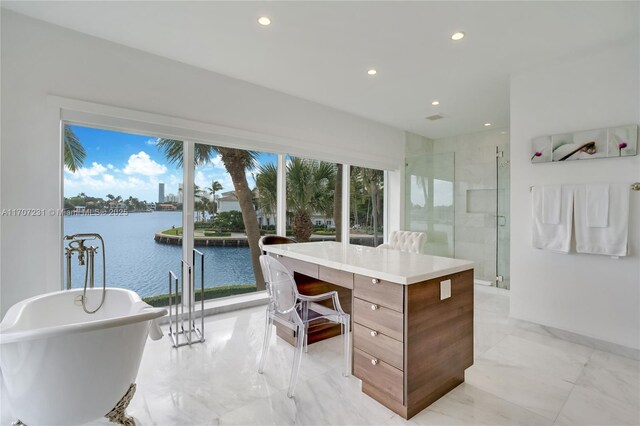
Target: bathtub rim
column 7, row 336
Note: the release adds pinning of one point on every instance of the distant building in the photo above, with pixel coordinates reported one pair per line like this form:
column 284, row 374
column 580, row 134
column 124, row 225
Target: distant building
column 165, row 207
column 180, row 193
column 228, row 202
column 171, row 198
column 161, row 192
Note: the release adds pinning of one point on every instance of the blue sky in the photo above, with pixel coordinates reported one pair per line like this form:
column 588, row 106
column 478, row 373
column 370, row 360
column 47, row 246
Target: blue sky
column 131, row 165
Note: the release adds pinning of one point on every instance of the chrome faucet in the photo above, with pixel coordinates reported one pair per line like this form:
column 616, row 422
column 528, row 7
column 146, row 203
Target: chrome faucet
column 77, row 245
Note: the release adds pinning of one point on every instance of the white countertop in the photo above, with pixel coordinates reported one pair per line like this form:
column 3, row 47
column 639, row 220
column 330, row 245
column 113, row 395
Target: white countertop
column 386, row 264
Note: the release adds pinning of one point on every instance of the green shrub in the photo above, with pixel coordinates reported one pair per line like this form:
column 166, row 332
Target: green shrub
column 209, row 293
column 216, row 234
column 173, row 231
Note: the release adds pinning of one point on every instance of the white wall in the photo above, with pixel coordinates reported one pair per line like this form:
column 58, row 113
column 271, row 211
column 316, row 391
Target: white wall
column 592, row 295
column 40, row 59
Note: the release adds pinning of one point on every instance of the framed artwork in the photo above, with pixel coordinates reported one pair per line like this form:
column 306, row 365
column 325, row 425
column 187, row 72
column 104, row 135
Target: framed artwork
column 600, row 143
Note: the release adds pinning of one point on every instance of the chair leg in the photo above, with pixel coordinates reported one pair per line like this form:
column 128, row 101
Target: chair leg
column 305, row 317
column 346, row 341
column 297, row 358
column 267, row 340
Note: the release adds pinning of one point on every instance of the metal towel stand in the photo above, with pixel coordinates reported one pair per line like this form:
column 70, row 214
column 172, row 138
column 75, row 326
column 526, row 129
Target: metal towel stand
column 176, row 312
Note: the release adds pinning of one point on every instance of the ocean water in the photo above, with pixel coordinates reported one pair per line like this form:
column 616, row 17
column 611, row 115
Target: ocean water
column 135, row 261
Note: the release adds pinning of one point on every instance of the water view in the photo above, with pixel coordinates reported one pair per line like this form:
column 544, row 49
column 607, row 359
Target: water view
column 135, row 261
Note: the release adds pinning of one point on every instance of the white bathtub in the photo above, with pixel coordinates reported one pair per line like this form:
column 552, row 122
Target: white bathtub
column 61, row 366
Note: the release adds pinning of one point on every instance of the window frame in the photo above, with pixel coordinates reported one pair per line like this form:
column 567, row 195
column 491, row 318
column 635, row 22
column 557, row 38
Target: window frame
column 62, row 111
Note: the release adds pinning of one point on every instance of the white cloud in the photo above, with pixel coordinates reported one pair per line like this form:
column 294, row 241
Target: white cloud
column 94, row 170
column 152, row 142
column 110, row 166
column 201, row 180
column 142, row 164
column 217, row 162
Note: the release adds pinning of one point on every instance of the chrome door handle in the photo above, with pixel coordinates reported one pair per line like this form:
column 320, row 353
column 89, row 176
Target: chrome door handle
column 374, row 307
column 374, row 361
column 375, row 281
column 374, row 333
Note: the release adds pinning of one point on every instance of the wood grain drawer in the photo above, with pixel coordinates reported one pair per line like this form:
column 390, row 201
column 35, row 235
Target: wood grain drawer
column 379, row 374
column 376, row 317
column 299, row 266
column 382, row 292
column 335, row 276
column 380, row 346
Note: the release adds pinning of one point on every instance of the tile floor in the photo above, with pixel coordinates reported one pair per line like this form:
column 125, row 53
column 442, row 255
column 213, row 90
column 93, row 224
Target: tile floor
column 521, row 375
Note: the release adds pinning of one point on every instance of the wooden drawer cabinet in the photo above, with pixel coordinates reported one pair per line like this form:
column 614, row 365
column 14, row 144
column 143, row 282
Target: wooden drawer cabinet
column 299, row 266
column 377, row 291
column 379, row 318
column 380, row 346
column 336, row 276
column 410, row 347
column 379, row 374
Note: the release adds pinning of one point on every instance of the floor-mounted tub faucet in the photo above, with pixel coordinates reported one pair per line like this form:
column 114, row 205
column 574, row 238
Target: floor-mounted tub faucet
column 77, row 245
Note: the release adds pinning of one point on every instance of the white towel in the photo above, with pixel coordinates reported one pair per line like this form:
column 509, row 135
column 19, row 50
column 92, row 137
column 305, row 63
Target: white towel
column 552, row 237
column 597, row 206
column 612, row 239
column 551, row 201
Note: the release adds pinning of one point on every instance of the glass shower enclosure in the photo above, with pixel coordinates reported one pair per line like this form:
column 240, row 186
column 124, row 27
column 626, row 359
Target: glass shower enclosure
column 461, row 201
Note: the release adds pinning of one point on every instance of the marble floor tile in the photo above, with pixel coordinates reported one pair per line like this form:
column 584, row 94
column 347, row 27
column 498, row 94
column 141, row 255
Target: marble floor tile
column 523, row 375
column 545, row 355
column 606, row 393
column 468, row 405
column 543, row 394
column 330, row 399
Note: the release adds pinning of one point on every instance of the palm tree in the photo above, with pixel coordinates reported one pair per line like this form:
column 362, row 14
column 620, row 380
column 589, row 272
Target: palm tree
column 337, row 203
column 310, row 185
column 74, row 153
column 371, row 181
column 215, row 187
column 236, row 162
column 267, row 183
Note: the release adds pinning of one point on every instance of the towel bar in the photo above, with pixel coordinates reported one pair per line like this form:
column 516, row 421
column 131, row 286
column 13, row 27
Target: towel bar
column 634, row 187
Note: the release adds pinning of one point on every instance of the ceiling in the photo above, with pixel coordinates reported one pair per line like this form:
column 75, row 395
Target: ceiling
column 321, row 51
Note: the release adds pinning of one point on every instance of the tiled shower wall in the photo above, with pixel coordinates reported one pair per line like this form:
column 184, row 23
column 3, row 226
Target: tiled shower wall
column 475, row 198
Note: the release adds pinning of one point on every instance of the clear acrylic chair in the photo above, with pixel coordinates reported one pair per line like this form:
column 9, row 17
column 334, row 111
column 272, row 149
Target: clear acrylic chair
column 296, row 312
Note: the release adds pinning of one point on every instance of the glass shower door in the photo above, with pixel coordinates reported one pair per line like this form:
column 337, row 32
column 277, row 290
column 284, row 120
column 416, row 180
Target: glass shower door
column 503, row 222
column 429, row 201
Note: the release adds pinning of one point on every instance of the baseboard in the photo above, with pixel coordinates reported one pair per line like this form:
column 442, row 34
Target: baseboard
column 591, row 342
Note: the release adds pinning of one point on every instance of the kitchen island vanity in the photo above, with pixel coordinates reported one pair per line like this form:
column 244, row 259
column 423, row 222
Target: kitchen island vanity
column 412, row 316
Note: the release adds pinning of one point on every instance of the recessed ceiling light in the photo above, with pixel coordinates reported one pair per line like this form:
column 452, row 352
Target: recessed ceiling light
column 457, row 36
column 264, row 21
column 372, row 72
column 487, row 124
column 434, row 103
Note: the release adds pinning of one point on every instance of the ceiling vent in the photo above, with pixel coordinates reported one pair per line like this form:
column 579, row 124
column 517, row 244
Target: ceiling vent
column 434, row 117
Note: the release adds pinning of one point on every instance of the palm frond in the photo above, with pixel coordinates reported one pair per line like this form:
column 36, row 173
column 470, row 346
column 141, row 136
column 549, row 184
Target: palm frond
column 74, row 153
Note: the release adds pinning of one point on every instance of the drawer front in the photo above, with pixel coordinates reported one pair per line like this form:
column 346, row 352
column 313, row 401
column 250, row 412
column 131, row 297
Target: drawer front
column 336, row 276
column 379, row 374
column 379, row 318
column 380, row 346
column 382, row 292
column 299, row 266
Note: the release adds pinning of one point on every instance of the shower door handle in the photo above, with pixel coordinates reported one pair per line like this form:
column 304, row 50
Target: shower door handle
column 501, row 220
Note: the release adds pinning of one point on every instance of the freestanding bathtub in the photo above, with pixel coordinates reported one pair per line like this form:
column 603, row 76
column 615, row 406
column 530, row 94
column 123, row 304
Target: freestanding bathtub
column 61, row 366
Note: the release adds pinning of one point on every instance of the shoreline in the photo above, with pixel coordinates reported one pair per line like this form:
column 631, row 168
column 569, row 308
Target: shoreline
column 241, row 240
